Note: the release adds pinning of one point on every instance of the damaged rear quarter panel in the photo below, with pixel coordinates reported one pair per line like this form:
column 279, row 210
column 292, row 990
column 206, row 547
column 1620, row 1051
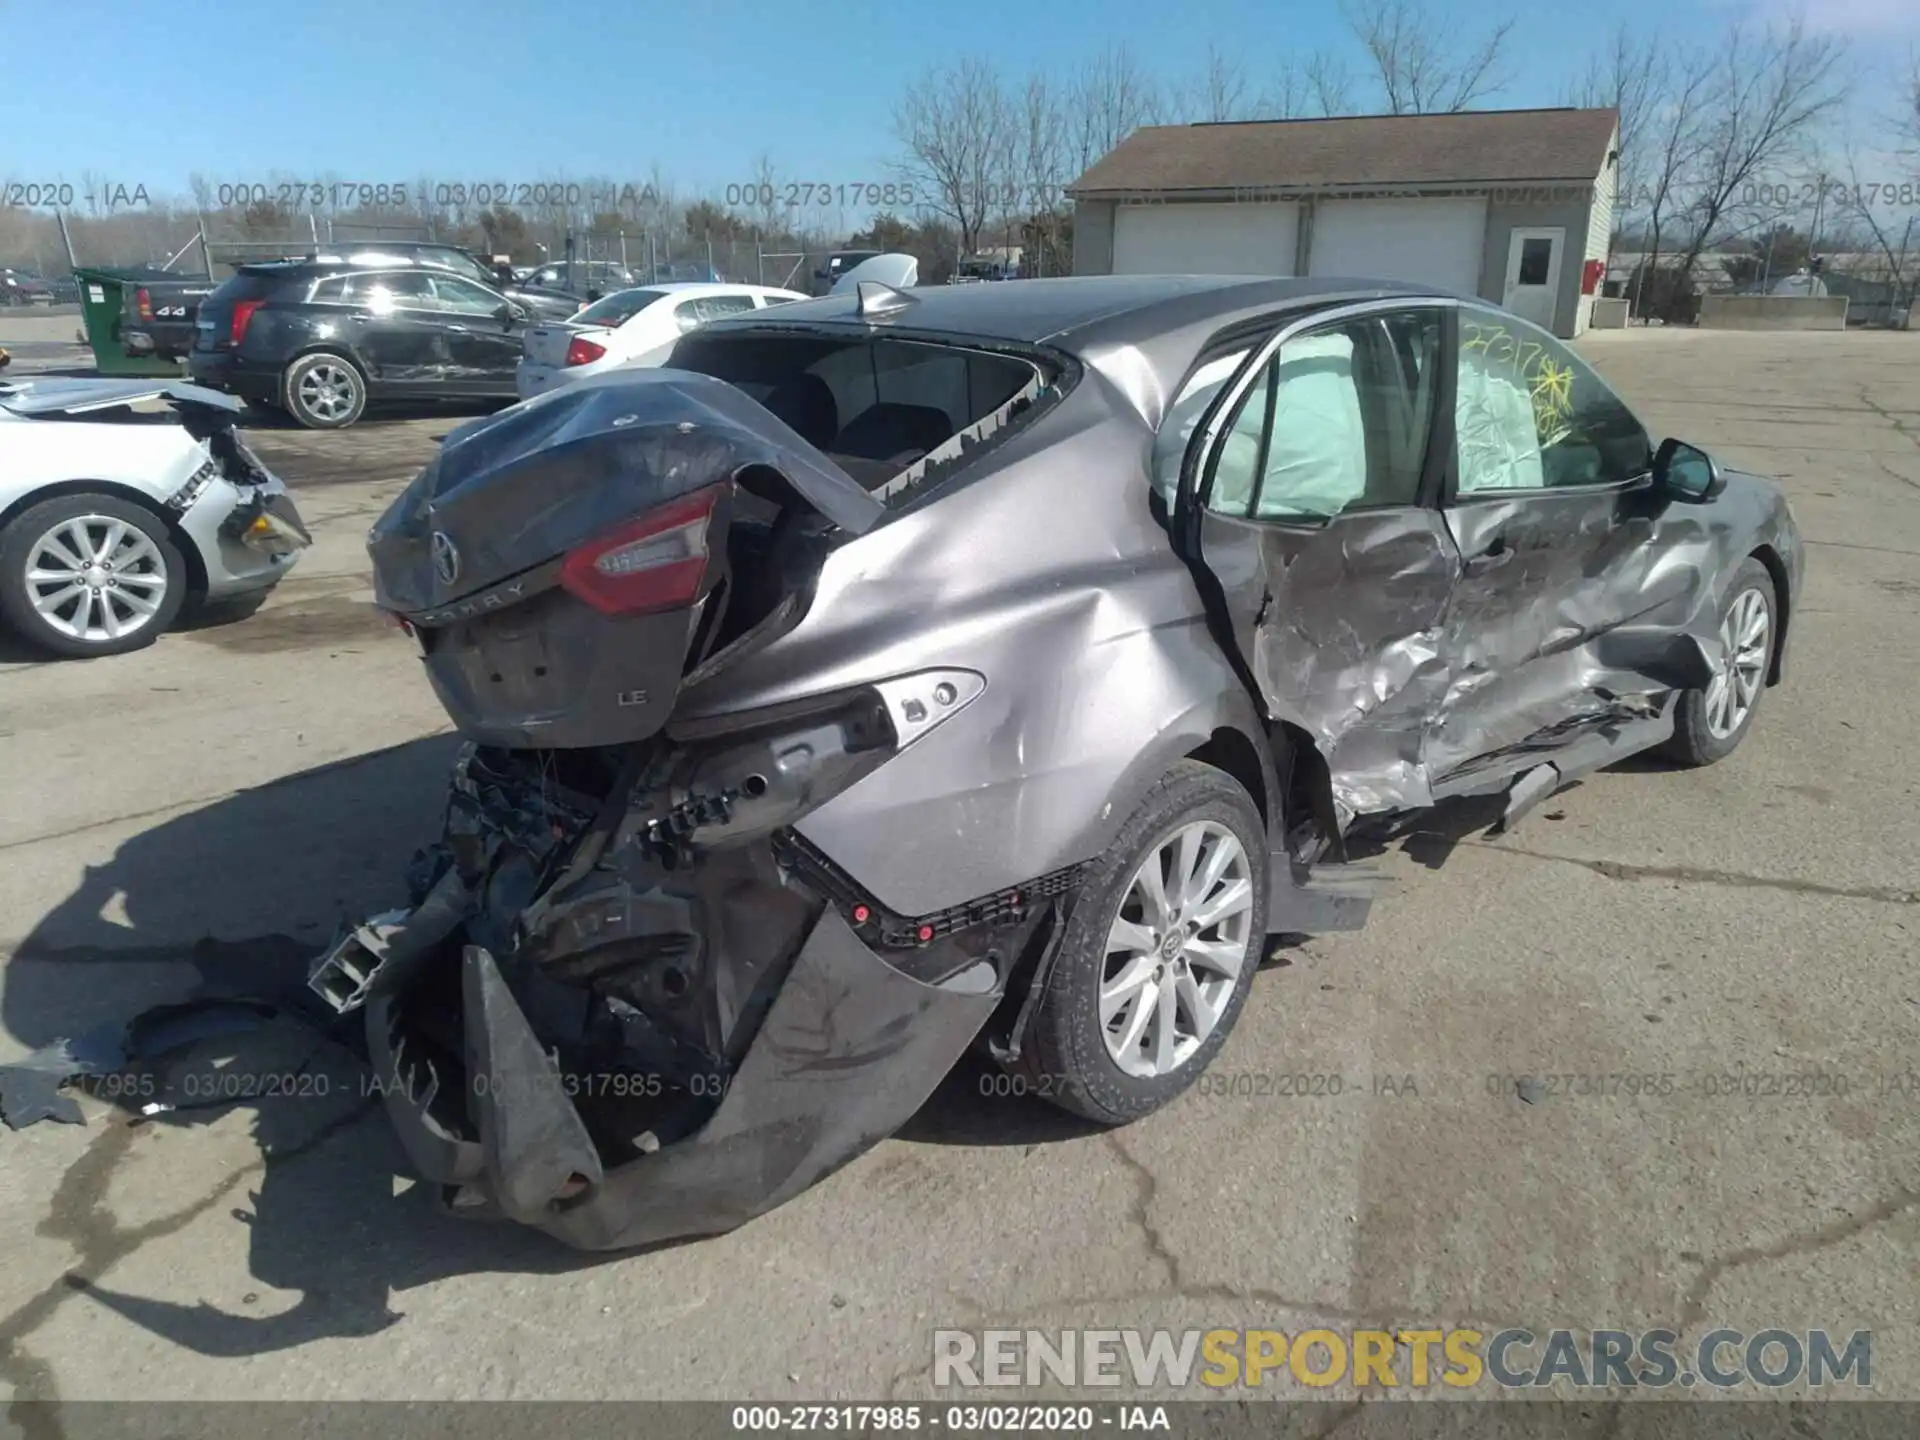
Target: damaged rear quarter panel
column 1050, row 576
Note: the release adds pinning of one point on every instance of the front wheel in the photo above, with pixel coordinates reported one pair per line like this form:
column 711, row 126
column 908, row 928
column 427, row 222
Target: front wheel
column 88, row 575
column 1710, row 723
column 1159, row 953
column 324, row 391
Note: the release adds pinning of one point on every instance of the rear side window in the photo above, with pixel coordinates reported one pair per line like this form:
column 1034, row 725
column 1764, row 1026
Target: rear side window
column 1203, row 387
column 1336, row 420
column 242, row 286
column 702, row 308
column 878, row 407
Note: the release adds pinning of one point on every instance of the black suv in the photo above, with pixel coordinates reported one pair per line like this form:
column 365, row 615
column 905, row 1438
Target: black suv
column 321, row 340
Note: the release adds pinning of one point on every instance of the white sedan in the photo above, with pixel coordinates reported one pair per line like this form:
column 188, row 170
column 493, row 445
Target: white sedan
column 114, row 516
column 626, row 325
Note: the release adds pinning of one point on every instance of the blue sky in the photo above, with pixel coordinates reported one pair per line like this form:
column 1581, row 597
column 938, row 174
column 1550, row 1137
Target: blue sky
column 484, row 90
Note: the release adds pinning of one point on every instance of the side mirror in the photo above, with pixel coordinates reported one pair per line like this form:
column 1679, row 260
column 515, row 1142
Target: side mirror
column 510, row 312
column 1686, row 472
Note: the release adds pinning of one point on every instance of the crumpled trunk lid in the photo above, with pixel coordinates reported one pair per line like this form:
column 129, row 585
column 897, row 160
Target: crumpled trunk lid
column 471, row 553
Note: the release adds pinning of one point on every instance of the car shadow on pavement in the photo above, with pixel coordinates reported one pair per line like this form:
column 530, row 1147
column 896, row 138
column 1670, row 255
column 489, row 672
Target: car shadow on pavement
column 236, row 898
column 262, row 878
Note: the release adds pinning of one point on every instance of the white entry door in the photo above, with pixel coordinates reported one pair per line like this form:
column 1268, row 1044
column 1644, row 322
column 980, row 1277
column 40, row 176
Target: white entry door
column 1533, row 273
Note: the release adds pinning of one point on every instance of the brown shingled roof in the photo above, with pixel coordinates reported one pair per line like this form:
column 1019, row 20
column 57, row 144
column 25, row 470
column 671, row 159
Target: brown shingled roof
column 1472, row 147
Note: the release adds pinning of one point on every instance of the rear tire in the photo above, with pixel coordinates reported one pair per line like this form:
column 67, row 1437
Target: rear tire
column 1087, row 1048
column 124, row 592
column 324, row 391
column 1710, row 723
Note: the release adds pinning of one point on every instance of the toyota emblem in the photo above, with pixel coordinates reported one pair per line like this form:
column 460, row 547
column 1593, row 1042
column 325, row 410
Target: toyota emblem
column 446, row 558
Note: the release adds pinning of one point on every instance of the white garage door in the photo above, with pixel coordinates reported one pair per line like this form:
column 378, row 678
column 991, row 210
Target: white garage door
column 1203, row 238
column 1429, row 242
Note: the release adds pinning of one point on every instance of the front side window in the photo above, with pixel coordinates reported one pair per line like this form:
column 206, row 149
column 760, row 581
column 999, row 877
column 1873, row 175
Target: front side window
column 391, row 290
column 1529, row 414
column 462, row 297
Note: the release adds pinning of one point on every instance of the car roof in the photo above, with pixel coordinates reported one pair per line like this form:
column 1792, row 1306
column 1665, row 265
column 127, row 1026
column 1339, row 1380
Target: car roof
column 1055, row 311
column 708, row 287
column 1143, row 332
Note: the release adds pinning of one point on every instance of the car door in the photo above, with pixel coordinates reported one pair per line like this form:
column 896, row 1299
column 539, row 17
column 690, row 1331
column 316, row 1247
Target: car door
column 1549, row 498
column 1308, row 504
column 392, row 319
column 483, row 346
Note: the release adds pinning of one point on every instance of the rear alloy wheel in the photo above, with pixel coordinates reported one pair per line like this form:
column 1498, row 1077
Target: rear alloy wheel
column 90, row 575
column 1159, row 954
column 1709, row 723
column 324, row 391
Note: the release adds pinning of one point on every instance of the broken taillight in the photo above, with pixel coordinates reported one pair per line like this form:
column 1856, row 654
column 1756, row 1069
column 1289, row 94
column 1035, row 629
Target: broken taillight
column 652, row 563
column 242, row 315
column 581, row 351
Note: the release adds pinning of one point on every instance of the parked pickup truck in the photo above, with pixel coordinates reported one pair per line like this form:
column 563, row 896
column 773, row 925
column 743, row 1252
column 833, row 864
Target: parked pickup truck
column 156, row 315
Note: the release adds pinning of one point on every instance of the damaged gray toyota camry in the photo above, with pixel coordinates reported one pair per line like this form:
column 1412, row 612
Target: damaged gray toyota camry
column 1000, row 665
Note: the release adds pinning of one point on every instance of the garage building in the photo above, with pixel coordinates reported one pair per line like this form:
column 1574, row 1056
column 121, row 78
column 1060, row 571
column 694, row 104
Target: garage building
column 1515, row 206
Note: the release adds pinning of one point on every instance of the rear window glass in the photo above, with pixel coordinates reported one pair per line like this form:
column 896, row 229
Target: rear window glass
column 243, row 286
column 618, row 308
column 885, row 410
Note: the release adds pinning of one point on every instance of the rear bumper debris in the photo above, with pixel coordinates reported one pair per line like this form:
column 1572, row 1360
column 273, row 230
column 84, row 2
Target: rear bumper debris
column 850, row 1048
column 620, row 1021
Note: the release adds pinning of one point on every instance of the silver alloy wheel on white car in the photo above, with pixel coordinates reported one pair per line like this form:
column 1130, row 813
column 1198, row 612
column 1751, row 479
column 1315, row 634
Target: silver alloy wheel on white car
column 1176, row 949
column 327, row 391
column 95, row 578
column 1744, row 637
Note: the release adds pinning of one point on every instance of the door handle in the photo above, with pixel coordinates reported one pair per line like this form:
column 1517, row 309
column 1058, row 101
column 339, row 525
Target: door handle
column 458, row 329
column 1497, row 553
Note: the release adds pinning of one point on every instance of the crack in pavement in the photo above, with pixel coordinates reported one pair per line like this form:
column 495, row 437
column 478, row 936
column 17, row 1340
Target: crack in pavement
column 1695, row 875
column 1139, row 1212
column 78, row 1214
column 1694, row 1307
column 1903, row 479
column 1899, row 425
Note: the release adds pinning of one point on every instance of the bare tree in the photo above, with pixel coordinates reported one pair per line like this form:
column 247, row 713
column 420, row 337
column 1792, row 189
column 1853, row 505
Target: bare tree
column 1319, row 86
column 1765, row 98
column 1419, row 65
column 1218, row 93
column 1109, row 99
column 1669, row 145
column 1859, row 207
column 1037, row 174
column 1631, row 76
column 955, row 126
column 1910, row 103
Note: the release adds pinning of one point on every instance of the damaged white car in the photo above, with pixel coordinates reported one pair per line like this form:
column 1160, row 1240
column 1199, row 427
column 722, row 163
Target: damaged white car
column 123, row 501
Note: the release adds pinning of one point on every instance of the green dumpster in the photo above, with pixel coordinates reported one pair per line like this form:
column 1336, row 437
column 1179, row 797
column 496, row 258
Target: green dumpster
column 102, row 293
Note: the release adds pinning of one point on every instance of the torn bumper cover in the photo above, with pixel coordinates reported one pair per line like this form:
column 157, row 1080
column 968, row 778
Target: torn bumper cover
column 850, row 1049
column 633, row 1022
